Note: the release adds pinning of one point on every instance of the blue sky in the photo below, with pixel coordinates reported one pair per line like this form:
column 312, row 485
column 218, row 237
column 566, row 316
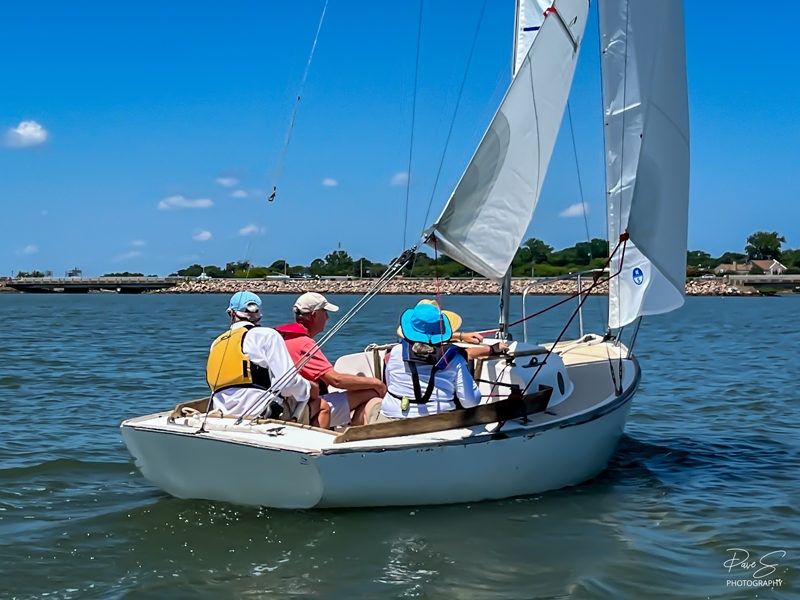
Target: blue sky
column 162, row 124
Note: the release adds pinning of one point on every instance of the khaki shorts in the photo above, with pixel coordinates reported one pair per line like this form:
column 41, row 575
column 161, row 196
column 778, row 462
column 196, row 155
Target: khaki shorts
column 289, row 406
column 376, row 416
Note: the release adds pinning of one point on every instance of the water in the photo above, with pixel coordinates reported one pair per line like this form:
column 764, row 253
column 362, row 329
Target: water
column 710, row 462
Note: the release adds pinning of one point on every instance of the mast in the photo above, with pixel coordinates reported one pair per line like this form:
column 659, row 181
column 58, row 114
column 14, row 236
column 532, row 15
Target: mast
column 505, row 285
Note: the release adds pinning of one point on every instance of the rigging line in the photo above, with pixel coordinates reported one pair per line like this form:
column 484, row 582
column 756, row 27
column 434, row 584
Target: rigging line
column 580, row 184
column 455, row 113
column 624, row 107
column 394, row 268
column 583, row 206
column 623, row 242
column 603, row 314
column 413, row 118
column 279, row 167
column 269, row 394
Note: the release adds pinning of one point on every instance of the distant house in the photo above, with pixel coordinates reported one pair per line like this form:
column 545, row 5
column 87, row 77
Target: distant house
column 770, row 267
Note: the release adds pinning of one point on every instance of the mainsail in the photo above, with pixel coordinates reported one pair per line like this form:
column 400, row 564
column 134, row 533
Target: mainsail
column 530, row 17
column 647, row 147
column 487, row 215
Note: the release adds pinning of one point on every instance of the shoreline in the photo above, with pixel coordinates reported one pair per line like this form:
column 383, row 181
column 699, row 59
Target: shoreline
column 426, row 287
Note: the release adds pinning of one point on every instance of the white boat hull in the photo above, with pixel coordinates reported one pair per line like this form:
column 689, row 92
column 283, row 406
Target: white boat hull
column 475, row 471
column 291, row 467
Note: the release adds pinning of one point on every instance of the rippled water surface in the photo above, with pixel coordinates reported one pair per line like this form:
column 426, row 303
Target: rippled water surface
column 710, row 462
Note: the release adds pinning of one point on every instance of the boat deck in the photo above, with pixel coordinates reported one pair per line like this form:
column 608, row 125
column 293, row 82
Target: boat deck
column 588, row 370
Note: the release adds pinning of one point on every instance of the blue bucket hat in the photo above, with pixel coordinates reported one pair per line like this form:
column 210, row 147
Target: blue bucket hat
column 425, row 323
column 241, row 300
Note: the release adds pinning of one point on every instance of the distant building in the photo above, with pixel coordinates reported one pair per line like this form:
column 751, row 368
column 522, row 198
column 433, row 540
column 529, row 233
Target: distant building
column 770, row 267
column 76, row 272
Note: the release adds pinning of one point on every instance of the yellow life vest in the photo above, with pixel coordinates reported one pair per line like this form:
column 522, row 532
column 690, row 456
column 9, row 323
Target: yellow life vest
column 228, row 366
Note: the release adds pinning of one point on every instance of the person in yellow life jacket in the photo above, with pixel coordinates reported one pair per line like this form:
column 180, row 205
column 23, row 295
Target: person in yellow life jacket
column 247, row 360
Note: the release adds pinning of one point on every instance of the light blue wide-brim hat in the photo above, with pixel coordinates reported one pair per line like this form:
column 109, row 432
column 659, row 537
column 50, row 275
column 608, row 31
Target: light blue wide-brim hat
column 425, row 323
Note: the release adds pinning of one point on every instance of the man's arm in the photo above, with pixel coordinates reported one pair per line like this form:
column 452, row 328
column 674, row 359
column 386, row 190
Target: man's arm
column 466, row 387
column 352, row 382
column 270, row 351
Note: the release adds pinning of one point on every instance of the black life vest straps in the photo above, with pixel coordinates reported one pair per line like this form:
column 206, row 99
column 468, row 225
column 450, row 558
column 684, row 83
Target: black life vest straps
column 261, row 376
column 419, row 397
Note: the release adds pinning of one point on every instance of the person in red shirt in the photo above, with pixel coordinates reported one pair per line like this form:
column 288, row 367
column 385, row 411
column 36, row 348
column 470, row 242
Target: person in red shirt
column 352, row 392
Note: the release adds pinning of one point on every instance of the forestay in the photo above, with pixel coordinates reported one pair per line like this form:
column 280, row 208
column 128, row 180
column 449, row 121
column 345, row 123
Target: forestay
column 530, row 16
column 486, row 217
column 647, row 146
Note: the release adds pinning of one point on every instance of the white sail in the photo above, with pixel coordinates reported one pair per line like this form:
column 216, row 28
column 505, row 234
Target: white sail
column 487, row 215
column 647, row 146
column 530, row 17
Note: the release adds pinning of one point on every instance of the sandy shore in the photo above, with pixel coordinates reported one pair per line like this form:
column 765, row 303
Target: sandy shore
column 420, row 287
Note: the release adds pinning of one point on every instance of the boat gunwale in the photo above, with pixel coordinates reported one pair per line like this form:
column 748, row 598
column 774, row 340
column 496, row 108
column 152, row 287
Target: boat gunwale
column 579, row 419
column 600, row 411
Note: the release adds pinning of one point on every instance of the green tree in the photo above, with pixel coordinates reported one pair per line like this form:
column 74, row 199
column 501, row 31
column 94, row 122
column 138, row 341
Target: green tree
column 317, row 267
column 279, row 266
column 698, row 258
column 339, row 262
column 214, row 271
column 538, row 251
column 791, row 258
column 730, row 257
column 764, row 245
column 191, row 271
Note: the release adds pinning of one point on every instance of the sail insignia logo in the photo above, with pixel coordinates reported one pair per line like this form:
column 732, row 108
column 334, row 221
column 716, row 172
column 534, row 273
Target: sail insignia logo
column 638, row 276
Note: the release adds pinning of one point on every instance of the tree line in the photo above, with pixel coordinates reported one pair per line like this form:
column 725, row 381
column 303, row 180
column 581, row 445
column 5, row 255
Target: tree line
column 533, row 258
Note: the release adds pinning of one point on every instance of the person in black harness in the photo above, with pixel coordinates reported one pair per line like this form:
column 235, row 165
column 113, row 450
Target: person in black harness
column 425, row 374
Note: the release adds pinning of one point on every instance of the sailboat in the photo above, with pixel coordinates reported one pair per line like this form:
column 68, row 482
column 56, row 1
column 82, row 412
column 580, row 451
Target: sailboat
column 552, row 413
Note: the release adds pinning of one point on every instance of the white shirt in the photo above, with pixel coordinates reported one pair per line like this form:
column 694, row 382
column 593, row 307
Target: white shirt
column 265, row 347
column 455, row 379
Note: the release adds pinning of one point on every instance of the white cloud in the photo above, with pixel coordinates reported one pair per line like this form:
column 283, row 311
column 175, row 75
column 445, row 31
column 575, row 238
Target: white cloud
column 29, row 249
column 138, row 242
column 27, row 133
column 127, row 256
column 400, row 178
column 576, row 210
column 329, row 182
column 239, row 194
column 227, row 181
column 177, row 202
column 201, row 235
column 250, row 230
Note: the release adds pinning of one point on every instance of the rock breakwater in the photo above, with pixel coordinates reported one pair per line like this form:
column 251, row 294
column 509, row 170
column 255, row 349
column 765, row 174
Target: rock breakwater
column 419, row 287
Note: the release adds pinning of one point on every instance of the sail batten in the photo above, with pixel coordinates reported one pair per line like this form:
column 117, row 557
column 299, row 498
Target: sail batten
column 488, row 213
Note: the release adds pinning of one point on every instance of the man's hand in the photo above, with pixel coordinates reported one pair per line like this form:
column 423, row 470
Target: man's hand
column 470, row 337
column 380, row 387
column 499, row 348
